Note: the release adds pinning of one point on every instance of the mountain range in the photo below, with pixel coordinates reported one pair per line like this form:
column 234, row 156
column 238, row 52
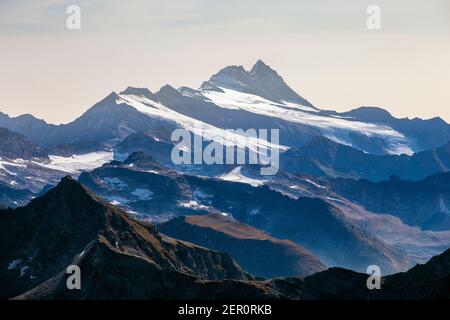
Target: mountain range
column 353, row 189
column 142, row 186
column 123, row 258
column 323, row 157
column 235, row 98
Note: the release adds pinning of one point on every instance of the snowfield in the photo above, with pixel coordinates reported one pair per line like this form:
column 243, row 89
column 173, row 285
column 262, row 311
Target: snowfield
column 36, row 173
column 78, row 163
column 209, row 132
column 334, row 128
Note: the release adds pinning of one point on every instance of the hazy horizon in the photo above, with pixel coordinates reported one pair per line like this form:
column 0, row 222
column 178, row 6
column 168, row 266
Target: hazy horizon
column 322, row 49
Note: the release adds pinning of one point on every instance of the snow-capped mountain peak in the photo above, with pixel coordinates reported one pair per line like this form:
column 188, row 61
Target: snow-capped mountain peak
column 261, row 80
column 265, row 75
column 259, row 64
column 234, row 98
column 232, row 77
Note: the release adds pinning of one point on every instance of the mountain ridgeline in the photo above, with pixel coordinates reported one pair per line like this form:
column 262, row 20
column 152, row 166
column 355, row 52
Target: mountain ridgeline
column 353, row 189
column 234, row 98
column 143, row 186
column 246, row 244
column 122, row 258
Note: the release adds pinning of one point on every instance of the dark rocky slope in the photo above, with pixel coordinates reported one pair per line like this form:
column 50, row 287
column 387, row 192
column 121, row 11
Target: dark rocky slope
column 70, row 225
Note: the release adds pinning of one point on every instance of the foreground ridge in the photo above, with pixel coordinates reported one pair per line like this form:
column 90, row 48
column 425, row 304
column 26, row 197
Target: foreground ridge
column 123, row 258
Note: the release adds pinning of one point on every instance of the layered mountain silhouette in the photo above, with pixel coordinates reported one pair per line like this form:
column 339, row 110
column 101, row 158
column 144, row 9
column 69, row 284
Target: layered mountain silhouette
column 323, row 157
column 120, row 257
column 143, row 186
column 14, row 145
column 433, row 133
column 70, row 225
column 233, row 98
column 423, row 203
column 354, row 189
column 246, row 244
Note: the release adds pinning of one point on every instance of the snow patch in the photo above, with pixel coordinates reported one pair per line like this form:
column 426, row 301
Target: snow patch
column 235, row 175
column 14, row 264
column 116, row 201
column 13, row 164
column 315, row 184
column 193, row 205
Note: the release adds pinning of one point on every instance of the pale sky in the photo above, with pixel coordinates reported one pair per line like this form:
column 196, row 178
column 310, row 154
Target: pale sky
column 322, row 48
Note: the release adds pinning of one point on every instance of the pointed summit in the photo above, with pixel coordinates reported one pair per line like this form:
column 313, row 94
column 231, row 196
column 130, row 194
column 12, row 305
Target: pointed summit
column 168, row 89
column 274, row 84
column 260, row 67
column 139, row 92
column 167, row 93
column 261, row 80
column 70, row 192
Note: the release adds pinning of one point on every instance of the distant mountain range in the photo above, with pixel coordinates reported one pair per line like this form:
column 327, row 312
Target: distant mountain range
column 423, row 203
column 139, row 120
column 323, row 157
column 235, row 98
